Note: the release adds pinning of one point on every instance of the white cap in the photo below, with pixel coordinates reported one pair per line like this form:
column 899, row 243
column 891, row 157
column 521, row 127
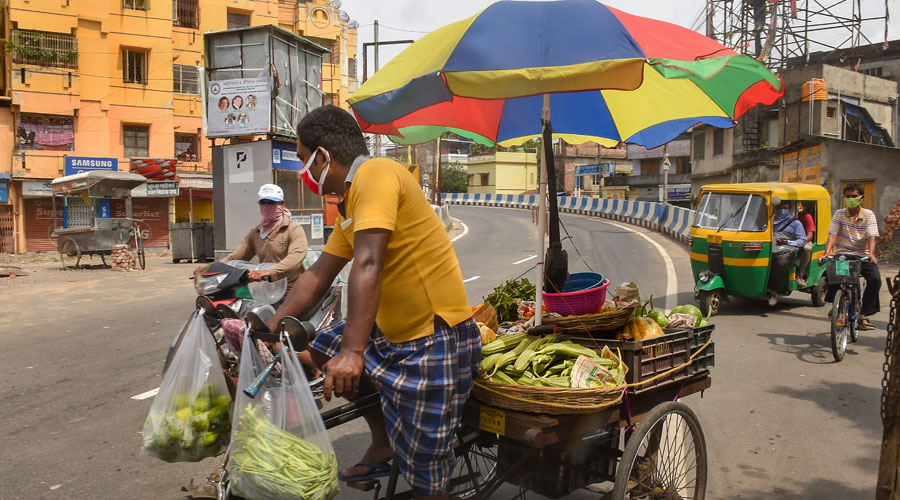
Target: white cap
column 270, row 192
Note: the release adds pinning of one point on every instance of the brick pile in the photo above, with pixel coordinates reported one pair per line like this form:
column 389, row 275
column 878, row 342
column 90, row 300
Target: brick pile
column 122, row 258
column 891, row 226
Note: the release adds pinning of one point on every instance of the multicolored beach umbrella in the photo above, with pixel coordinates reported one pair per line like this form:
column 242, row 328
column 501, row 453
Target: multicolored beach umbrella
column 612, row 77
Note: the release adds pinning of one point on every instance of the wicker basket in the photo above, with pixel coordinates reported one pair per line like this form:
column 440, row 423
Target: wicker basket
column 549, row 400
column 602, row 321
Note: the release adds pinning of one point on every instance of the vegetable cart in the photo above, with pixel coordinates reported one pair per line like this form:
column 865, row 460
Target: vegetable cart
column 643, row 444
column 86, row 230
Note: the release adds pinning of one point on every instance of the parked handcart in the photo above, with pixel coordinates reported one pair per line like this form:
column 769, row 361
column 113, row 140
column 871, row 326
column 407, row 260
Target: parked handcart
column 93, row 234
column 642, row 443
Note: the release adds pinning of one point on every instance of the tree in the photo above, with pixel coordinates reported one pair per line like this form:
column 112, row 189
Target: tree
column 454, row 178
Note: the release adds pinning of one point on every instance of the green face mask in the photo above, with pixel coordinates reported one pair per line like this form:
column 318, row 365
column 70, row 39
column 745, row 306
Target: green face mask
column 853, row 202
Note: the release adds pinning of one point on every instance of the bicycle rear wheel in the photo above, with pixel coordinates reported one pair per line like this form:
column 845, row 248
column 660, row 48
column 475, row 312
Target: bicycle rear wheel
column 139, row 249
column 840, row 324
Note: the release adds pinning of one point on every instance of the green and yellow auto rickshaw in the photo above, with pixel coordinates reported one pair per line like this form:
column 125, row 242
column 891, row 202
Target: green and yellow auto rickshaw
column 732, row 241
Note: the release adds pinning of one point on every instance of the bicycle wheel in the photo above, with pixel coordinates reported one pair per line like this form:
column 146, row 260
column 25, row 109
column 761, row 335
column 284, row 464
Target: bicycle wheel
column 840, row 324
column 665, row 457
column 139, row 249
column 476, row 464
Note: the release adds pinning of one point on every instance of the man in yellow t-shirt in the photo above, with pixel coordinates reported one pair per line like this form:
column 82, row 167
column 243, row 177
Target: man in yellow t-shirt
column 409, row 324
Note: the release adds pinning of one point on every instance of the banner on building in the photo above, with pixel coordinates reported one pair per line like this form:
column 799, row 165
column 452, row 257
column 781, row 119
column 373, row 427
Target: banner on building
column 4, row 191
column 238, row 107
column 78, row 164
column 155, row 169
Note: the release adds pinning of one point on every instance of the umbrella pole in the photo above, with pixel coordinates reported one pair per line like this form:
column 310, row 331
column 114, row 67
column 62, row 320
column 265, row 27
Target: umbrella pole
column 556, row 260
column 542, row 221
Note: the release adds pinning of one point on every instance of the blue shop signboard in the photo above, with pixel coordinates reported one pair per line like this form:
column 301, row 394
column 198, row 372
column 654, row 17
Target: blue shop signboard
column 78, row 164
column 4, row 191
column 284, row 156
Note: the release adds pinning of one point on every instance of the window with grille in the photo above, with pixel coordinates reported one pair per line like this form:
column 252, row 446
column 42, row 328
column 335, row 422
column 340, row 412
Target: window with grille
column 718, row 142
column 136, row 4
column 700, row 145
column 134, row 66
column 186, row 79
column 876, row 71
column 351, row 68
column 41, row 48
column 236, row 20
column 46, row 132
column 187, row 147
column 137, row 141
column 186, row 13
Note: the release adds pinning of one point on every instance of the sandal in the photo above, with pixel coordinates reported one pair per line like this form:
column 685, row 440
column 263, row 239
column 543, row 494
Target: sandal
column 864, row 325
column 382, row 469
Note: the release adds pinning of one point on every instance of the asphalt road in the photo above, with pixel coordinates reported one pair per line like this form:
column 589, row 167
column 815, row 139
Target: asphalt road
column 782, row 420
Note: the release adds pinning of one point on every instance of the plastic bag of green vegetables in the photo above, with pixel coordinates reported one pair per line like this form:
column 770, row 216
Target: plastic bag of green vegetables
column 190, row 418
column 279, row 447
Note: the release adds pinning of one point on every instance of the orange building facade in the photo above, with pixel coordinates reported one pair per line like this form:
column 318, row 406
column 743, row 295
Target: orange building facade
column 122, row 79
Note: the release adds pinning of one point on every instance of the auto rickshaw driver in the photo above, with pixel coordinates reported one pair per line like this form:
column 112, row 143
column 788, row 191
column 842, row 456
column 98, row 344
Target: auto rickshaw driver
column 789, row 237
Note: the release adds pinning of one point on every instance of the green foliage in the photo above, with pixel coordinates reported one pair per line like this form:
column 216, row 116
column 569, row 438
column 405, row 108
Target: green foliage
column 504, row 297
column 454, row 178
column 30, row 47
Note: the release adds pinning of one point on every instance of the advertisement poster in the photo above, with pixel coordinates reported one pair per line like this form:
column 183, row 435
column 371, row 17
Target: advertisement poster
column 317, row 231
column 238, row 107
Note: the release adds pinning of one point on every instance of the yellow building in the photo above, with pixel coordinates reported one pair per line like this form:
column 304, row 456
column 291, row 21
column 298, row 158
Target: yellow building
column 502, row 172
column 121, row 79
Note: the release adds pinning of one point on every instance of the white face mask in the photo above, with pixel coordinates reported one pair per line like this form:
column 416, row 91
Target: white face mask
column 316, row 186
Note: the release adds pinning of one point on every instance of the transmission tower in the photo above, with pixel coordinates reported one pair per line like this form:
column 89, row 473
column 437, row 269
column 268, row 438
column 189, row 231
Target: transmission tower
column 779, row 31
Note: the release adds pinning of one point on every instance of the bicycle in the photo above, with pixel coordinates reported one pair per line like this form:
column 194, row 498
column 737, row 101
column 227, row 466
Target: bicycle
column 136, row 239
column 844, row 270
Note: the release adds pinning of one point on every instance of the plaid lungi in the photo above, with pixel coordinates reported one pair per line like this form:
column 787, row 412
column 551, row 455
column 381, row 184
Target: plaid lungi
column 424, row 385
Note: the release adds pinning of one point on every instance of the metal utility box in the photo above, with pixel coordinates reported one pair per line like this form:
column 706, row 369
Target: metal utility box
column 260, row 81
column 192, row 241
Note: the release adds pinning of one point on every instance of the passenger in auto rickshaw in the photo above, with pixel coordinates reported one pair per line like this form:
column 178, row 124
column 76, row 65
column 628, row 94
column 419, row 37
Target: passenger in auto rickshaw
column 789, row 237
column 809, row 225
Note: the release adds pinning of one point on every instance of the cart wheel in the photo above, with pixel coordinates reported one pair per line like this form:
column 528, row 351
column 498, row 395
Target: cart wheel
column 818, row 292
column 69, row 254
column 476, row 463
column 139, row 249
column 710, row 302
column 665, row 457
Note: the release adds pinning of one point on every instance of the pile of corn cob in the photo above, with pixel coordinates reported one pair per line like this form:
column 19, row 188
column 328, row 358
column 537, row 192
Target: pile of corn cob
column 540, row 362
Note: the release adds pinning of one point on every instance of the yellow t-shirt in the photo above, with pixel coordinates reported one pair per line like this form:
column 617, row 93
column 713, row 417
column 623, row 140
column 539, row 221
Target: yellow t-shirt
column 421, row 277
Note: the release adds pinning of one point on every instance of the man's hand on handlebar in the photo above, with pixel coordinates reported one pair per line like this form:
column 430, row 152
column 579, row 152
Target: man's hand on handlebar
column 342, row 375
column 259, row 276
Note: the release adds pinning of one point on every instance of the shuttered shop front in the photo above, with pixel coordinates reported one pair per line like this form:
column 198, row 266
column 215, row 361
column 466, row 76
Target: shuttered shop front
column 152, row 212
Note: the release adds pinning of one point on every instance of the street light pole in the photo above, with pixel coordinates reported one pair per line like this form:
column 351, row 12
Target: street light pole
column 666, row 165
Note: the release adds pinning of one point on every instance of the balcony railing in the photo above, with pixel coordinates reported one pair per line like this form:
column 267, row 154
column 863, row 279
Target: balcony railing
column 41, row 48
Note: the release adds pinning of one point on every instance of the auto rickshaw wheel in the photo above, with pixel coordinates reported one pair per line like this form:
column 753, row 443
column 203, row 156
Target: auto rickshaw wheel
column 818, row 292
column 69, row 254
column 710, row 301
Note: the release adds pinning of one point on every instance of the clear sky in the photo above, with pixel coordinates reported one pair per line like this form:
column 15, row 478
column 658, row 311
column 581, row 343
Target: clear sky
column 421, row 16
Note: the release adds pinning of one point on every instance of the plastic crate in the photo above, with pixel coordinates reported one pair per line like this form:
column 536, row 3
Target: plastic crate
column 706, row 359
column 648, row 358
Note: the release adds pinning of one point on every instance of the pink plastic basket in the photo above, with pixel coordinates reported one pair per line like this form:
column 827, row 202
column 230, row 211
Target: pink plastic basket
column 578, row 302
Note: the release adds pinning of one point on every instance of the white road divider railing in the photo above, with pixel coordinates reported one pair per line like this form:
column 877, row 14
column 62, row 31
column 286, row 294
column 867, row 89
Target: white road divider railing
column 671, row 220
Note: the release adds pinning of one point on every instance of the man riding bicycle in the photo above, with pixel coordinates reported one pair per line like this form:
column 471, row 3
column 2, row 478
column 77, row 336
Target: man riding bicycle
column 854, row 231
column 409, row 324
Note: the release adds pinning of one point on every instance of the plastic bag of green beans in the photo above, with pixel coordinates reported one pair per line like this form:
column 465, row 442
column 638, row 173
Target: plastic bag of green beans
column 279, row 446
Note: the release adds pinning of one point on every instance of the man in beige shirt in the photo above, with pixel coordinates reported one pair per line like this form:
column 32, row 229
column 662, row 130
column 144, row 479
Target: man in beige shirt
column 276, row 239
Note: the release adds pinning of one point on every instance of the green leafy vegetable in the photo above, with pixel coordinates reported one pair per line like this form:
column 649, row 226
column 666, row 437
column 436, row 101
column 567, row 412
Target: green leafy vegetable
column 504, row 298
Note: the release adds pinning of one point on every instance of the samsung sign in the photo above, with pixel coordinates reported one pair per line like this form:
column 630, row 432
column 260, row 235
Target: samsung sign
column 78, row 164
